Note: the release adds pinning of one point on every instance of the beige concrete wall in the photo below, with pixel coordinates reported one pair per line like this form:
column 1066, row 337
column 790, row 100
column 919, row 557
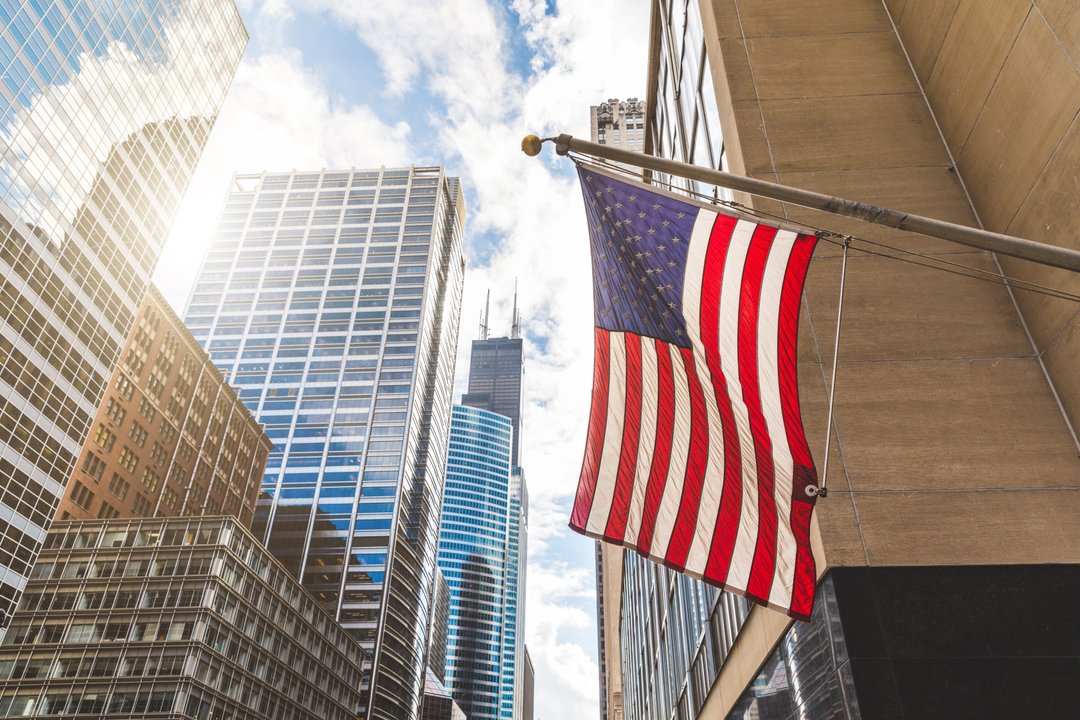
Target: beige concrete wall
column 1003, row 80
column 949, row 446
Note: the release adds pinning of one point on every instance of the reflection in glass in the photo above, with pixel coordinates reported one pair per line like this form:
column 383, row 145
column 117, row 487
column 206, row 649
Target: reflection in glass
column 808, row 675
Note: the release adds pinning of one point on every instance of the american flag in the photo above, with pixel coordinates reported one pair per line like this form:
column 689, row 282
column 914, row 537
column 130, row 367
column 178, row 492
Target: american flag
column 696, row 455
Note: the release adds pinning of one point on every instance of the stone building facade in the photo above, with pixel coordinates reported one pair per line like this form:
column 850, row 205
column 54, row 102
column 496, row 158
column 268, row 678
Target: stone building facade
column 172, row 618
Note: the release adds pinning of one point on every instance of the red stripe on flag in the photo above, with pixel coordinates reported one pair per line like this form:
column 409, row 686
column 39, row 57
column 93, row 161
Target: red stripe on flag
column 624, row 482
column 682, row 534
column 764, row 562
column 802, row 505
column 802, row 589
column 786, row 351
column 594, row 445
column 665, row 419
column 727, row 518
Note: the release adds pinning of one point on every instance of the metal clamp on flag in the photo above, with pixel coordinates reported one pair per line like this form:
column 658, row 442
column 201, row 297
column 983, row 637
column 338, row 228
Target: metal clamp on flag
column 696, row 455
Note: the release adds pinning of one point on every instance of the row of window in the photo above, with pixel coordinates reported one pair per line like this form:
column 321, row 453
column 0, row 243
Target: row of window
column 88, row 704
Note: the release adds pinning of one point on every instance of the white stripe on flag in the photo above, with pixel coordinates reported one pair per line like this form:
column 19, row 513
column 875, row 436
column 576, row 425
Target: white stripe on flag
column 713, row 486
column 680, row 446
column 769, row 383
column 608, row 472
column 730, row 295
column 646, row 440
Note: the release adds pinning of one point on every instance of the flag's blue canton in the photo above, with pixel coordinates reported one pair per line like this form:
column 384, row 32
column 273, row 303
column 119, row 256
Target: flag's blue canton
column 639, row 243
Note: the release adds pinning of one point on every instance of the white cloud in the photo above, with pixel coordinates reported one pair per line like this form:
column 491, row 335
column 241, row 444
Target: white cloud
column 567, row 685
column 590, row 51
column 278, row 116
column 456, row 44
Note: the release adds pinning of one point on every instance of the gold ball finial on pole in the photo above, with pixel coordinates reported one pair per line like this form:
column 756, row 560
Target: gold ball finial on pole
column 530, row 145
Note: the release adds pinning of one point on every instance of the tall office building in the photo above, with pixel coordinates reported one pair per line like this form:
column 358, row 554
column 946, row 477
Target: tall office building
column 517, row 562
column 170, row 437
column 331, row 299
column 496, row 384
column 480, row 554
column 439, row 632
column 439, row 703
column 528, row 687
column 946, row 548
column 609, row 580
column 104, row 110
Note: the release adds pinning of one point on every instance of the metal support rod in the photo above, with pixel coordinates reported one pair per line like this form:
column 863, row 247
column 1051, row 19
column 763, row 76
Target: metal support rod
column 822, row 490
column 972, row 237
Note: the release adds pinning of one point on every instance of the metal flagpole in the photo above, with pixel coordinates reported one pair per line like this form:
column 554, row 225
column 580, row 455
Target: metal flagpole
column 822, row 490
column 972, row 237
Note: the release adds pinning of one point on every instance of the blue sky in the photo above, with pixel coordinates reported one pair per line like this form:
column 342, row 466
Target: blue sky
column 326, row 83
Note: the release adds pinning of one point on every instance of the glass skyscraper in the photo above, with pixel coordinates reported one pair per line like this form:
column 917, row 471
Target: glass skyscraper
column 332, row 299
column 481, row 555
column 674, row 634
column 104, row 111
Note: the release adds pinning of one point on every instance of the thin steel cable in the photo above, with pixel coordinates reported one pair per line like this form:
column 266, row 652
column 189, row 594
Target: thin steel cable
column 993, row 274
column 822, row 490
column 975, row 274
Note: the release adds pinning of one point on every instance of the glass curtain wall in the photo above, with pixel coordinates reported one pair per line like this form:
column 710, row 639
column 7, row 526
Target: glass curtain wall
column 684, row 122
column 479, row 554
column 104, row 111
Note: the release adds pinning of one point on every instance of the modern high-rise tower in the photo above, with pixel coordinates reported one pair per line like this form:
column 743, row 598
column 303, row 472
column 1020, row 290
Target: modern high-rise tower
column 331, row 299
column 104, row 111
column 481, row 556
column 517, row 555
column 486, row 571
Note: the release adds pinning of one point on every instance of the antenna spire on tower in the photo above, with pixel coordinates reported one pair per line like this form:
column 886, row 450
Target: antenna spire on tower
column 484, row 317
column 515, row 328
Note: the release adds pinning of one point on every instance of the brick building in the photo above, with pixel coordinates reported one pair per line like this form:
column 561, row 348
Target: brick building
column 170, row 436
